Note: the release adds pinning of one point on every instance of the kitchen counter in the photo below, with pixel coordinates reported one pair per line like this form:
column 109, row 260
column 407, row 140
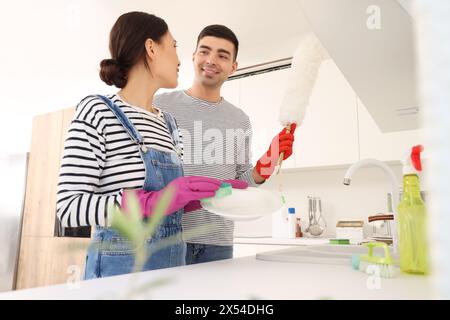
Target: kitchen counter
column 240, row 278
column 281, row 241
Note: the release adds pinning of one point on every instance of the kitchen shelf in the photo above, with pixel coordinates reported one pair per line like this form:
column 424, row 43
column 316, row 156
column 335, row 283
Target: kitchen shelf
column 332, row 167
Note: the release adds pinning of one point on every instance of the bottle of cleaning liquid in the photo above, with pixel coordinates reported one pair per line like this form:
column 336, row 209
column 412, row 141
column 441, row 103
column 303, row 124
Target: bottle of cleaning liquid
column 412, row 218
column 292, row 223
column 280, row 222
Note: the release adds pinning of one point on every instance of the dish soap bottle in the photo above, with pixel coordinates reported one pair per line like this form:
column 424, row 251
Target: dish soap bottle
column 412, row 218
column 280, row 221
column 292, row 223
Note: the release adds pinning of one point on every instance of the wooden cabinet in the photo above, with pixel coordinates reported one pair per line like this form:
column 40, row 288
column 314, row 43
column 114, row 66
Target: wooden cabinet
column 50, row 260
column 42, row 176
column 45, row 259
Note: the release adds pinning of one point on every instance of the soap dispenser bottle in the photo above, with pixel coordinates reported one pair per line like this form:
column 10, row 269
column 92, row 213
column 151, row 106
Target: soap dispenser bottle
column 292, row 223
column 412, row 218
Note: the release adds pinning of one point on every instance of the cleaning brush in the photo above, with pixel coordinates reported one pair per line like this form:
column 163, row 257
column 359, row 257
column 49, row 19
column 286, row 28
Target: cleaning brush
column 303, row 74
column 382, row 266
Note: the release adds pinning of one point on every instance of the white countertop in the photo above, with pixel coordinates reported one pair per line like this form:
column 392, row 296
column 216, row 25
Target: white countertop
column 281, row 241
column 241, row 278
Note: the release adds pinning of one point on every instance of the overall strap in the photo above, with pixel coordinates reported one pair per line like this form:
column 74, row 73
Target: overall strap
column 173, row 129
column 123, row 119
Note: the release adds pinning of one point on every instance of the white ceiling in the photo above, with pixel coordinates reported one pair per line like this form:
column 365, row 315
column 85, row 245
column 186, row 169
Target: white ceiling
column 267, row 30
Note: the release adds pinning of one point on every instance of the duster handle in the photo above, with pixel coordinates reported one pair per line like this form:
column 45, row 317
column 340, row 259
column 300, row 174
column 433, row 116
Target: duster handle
column 280, row 159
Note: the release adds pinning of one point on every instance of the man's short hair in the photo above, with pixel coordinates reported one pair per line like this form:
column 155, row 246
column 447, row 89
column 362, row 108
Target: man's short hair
column 220, row 31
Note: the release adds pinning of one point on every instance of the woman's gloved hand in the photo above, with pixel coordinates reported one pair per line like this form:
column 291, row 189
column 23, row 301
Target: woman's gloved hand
column 186, row 189
column 235, row 184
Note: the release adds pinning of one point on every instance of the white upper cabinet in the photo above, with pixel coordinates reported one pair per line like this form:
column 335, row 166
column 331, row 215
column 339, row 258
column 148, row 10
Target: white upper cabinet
column 329, row 133
column 390, row 146
column 372, row 43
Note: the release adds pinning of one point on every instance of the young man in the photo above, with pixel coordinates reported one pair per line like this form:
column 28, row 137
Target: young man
column 216, row 139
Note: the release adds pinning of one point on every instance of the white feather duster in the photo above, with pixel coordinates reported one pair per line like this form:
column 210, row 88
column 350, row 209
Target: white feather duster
column 305, row 67
column 303, row 75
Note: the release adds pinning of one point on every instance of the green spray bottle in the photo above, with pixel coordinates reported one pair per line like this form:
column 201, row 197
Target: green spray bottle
column 412, row 218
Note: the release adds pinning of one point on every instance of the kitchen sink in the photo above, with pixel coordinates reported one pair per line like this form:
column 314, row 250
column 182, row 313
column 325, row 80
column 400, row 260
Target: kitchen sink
column 322, row 254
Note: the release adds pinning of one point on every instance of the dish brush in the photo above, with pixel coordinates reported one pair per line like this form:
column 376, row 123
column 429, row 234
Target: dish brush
column 375, row 265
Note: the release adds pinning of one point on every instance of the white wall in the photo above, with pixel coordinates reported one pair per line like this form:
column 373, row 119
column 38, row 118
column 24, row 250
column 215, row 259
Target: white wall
column 49, row 60
column 50, row 57
column 13, row 171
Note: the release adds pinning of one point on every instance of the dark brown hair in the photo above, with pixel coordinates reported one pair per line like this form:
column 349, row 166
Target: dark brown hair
column 127, row 45
column 220, row 31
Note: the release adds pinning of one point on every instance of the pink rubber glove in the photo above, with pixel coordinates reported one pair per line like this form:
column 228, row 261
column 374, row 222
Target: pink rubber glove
column 186, row 189
column 235, row 184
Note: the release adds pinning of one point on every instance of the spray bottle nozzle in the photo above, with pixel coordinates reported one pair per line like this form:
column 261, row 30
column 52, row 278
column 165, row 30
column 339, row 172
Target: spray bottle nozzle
column 412, row 164
column 415, row 157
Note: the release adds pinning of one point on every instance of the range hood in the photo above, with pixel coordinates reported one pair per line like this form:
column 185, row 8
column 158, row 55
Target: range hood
column 376, row 59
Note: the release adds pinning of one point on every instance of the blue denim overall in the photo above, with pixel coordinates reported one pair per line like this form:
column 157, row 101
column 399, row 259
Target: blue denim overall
column 111, row 253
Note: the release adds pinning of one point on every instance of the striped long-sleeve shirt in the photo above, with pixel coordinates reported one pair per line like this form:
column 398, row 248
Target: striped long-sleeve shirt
column 216, row 141
column 100, row 160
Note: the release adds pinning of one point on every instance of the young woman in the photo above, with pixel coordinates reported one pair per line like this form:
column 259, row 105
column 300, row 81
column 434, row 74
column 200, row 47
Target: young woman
column 122, row 142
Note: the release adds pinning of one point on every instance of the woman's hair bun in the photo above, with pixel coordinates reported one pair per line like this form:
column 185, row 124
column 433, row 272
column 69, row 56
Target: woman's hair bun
column 113, row 73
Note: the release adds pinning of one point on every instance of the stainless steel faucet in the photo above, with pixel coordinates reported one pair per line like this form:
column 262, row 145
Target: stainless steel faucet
column 394, row 184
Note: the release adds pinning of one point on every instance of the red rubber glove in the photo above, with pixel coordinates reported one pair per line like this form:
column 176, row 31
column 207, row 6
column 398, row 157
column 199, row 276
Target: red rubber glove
column 186, row 189
column 283, row 142
column 235, row 184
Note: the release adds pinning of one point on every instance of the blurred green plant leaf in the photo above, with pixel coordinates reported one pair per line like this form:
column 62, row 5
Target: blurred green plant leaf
column 137, row 230
column 160, row 210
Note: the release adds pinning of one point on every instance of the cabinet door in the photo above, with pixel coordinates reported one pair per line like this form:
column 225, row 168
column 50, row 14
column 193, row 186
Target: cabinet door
column 384, row 146
column 42, row 176
column 45, row 259
column 329, row 133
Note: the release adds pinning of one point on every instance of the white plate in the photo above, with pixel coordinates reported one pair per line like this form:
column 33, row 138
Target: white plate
column 246, row 204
